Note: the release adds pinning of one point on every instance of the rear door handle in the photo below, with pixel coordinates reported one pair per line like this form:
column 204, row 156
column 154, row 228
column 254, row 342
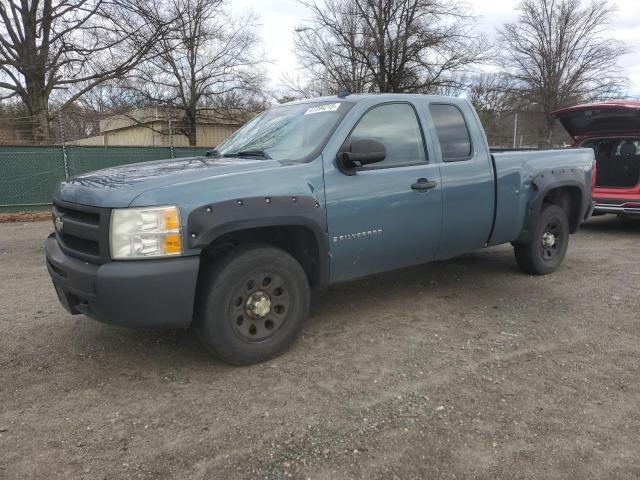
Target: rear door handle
column 424, row 184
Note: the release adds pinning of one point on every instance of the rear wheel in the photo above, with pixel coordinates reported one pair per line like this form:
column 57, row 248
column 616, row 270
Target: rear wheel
column 253, row 304
column 548, row 245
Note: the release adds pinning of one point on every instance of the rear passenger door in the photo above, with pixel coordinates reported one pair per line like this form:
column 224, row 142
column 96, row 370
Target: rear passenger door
column 467, row 178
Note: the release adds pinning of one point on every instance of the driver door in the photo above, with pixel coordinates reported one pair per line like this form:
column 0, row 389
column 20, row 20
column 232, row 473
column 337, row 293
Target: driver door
column 389, row 214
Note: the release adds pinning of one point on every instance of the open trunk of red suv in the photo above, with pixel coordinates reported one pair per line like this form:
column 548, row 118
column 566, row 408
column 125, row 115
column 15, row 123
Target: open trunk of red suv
column 618, row 161
column 612, row 130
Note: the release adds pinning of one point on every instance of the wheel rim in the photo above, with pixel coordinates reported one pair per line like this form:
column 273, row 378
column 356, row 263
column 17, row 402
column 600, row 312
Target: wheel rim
column 551, row 241
column 259, row 306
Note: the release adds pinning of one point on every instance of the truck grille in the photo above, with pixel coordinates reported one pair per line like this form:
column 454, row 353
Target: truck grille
column 82, row 231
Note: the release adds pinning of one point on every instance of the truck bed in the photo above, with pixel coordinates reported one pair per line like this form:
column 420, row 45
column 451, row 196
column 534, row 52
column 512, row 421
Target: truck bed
column 520, row 171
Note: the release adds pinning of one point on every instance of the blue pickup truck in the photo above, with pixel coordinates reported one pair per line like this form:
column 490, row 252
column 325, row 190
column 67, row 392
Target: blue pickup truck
column 305, row 194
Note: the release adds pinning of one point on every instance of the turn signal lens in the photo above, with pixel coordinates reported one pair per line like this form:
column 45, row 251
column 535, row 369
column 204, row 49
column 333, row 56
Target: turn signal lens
column 171, row 219
column 172, row 244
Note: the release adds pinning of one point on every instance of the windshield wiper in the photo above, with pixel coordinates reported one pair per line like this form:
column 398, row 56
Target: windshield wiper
column 249, row 153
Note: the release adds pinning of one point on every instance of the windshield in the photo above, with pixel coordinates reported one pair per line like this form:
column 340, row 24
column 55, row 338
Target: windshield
column 286, row 133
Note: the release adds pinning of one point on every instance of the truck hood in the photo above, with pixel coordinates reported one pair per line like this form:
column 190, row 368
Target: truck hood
column 117, row 187
column 600, row 119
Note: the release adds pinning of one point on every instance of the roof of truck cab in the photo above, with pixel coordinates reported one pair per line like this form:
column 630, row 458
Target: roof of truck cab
column 358, row 97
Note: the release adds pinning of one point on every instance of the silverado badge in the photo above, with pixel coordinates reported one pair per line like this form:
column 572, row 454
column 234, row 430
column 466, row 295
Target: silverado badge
column 357, row 236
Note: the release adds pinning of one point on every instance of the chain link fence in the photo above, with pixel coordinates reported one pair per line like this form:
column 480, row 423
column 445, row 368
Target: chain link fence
column 77, row 141
column 29, row 174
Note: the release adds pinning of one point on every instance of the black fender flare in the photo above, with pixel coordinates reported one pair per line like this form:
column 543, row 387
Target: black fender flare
column 211, row 221
column 544, row 183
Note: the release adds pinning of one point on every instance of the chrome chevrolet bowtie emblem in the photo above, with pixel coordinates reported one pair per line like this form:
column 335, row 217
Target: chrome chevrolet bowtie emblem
column 58, row 224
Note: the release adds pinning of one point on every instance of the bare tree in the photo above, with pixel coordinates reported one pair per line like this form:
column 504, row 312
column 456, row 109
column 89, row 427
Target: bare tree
column 298, row 87
column 63, row 48
column 333, row 62
column 209, row 59
column 558, row 53
column 493, row 96
column 388, row 45
column 114, row 97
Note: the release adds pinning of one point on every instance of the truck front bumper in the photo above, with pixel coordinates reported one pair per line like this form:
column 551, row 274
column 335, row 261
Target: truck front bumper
column 136, row 293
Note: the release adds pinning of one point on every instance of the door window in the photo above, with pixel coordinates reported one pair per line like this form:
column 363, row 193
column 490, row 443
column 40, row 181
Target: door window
column 397, row 127
column 453, row 134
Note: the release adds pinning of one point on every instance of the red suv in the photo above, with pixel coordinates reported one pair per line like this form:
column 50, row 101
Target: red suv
column 612, row 129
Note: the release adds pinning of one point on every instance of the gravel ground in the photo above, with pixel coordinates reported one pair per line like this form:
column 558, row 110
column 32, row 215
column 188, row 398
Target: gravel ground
column 460, row 369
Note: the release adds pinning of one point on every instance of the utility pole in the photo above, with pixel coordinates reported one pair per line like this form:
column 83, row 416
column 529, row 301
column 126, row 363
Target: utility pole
column 171, row 146
column 325, row 76
column 324, row 86
column 515, row 130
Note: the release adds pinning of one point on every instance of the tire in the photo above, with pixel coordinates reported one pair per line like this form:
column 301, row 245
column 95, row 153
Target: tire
column 539, row 256
column 252, row 304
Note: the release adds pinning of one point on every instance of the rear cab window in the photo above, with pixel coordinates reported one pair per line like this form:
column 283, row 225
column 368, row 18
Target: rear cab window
column 453, row 133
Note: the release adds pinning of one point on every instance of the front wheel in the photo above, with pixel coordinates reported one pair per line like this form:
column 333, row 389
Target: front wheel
column 252, row 305
column 548, row 245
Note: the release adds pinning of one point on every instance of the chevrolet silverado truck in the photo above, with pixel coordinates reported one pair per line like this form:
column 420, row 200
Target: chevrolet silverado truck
column 612, row 130
column 306, row 194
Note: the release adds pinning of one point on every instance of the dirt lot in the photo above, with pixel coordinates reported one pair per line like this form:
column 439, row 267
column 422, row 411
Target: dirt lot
column 460, row 369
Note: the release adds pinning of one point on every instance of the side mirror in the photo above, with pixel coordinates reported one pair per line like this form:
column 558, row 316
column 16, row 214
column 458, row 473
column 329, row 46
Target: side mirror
column 356, row 153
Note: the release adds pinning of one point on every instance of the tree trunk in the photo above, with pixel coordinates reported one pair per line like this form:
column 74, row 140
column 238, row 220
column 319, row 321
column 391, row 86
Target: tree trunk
column 41, row 131
column 37, row 101
column 190, row 127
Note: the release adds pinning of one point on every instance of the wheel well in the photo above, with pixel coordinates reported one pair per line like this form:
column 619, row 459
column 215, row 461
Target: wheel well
column 569, row 199
column 299, row 241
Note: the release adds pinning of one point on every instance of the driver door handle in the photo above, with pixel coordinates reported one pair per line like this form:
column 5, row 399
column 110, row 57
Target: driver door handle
column 424, row 184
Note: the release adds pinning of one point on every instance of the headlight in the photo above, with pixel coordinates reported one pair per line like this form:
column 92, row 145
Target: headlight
column 148, row 232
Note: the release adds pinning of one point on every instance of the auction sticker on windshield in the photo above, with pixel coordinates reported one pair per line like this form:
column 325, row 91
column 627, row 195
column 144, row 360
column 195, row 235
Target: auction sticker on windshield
column 330, row 107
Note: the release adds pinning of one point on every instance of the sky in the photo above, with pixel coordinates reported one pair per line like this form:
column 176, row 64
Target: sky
column 278, row 19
